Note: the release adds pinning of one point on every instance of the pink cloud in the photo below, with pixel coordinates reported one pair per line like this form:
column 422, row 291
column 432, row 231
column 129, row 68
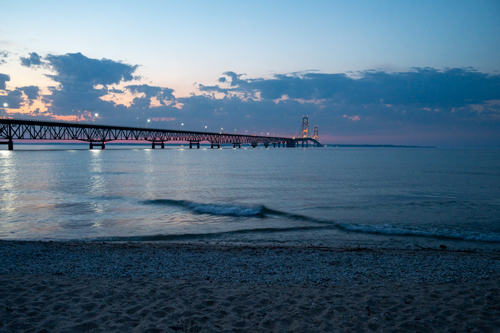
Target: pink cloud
column 353, row 118
column 163, row 119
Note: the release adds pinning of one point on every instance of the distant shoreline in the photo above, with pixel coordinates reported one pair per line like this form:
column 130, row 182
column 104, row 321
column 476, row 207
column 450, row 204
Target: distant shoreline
column 376, row 146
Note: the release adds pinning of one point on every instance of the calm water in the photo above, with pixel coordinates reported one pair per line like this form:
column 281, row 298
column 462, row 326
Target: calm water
column 364, row 195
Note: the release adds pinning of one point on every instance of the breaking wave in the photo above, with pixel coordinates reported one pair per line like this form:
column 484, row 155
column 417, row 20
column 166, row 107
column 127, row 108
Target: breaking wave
column 263, row 212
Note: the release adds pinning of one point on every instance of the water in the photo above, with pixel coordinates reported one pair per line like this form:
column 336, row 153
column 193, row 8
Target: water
column 377, row 196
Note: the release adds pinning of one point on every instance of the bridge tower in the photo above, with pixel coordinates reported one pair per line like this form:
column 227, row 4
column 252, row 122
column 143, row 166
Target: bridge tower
column 305, row 126
column 316, row 136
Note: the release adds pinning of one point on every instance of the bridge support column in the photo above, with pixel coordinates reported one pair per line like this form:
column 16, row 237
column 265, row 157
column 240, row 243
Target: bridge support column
column 103, row 145
column 266, row 144
column 196, row 142
column 254, row 145
column 153, row 144
column 10, row 144
column 274, row 144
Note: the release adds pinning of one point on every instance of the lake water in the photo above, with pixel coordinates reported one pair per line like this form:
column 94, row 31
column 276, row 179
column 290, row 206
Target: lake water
column 374, row 196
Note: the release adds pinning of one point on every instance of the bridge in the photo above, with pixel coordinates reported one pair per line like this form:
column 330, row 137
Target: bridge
column 98, row 135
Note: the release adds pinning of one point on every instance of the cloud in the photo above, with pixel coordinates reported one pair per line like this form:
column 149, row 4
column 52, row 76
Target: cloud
column 3, row 55
column 423, row 87
column 76, row 69
column 33, row 60
column 152, row 91
column 3, row 78
column 13, row 98
column 353, row 118
column 30, row 91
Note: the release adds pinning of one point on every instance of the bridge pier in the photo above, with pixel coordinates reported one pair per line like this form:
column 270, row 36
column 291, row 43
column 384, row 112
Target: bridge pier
column 266, row 144
column 236, row 143
column 153, row 144
column 191, row 144
column 254, row 145
column 102, row 145
column 216, row 143
column 10, row 144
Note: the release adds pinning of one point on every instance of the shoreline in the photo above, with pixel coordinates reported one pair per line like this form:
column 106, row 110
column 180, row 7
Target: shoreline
column 194, row 287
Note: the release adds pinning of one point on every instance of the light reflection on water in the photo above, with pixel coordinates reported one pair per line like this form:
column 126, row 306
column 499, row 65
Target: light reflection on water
column 96, row 193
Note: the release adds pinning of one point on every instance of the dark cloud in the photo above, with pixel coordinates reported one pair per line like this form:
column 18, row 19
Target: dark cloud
column 30, row 91
column 76, row 69
column 13, row 98
column 77, row 77
column 152, row 91
column 33, row 60
column 423, row 87
column 3, row 78
column 218, row 89
column 3, row 56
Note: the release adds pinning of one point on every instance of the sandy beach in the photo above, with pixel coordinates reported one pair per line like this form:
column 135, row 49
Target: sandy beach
column 196, row 287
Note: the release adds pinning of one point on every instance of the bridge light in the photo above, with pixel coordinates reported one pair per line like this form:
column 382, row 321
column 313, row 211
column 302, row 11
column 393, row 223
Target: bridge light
column 97, row 114
column 5, row 105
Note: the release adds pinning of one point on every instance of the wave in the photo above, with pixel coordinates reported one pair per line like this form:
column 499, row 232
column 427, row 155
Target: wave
column 433, row 233
column 213, row 209
column 231, row 209
column 171, row 237
column 263, row 212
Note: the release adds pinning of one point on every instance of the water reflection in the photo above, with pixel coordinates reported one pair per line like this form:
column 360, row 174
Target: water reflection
column 8, row 195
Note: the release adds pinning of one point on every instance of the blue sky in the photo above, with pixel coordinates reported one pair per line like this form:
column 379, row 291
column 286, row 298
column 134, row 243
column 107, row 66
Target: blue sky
column 183, row 49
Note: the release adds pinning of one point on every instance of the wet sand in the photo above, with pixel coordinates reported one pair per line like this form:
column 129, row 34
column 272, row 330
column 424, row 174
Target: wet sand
column 164, row 287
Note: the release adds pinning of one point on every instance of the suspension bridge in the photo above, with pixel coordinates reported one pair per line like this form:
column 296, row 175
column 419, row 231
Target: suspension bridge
column 98, row 135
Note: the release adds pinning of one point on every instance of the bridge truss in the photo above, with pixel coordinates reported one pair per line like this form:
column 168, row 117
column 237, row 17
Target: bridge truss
column 98, row 135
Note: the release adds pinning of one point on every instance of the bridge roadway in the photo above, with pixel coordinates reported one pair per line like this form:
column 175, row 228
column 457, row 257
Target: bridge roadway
column 98, row 135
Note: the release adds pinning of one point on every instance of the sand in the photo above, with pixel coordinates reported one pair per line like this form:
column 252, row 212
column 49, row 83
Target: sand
column 162, row 287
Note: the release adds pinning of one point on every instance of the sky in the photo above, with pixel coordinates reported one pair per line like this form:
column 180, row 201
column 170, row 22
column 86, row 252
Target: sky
column 366, row 72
